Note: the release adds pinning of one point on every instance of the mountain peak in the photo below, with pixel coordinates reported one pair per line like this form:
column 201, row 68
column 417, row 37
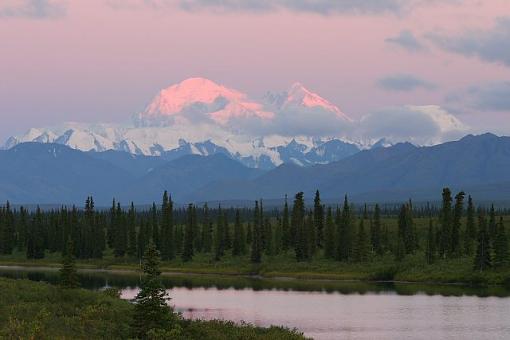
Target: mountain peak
column 198, row 96
column 299, row 95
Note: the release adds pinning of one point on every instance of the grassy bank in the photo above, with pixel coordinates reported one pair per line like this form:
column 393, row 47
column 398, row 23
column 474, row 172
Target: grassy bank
column 30, row 310
column 412, row 269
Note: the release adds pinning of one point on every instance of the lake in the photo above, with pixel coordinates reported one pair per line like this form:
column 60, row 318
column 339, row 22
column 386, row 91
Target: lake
column 323, row 309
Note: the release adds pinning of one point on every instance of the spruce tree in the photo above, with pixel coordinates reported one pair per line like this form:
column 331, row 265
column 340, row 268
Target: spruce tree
column 151, row 312
column 131, row 221
column 178, row 238
column 455, row 245
column 187, row 253
column 470, row 232
column 197, row 234
column 329, row 235
column 227, row 239
column 483, row 250
column 362, row 244
column 207, row 231
column 142, row 239
column 286, row 236
column 298, row 226
column 400, row 250
column 219, row 236
column 35, row 242
column 112, row 227
column 375, row 235
column 7, row 232
column 318, row 216
column 68, row 273
column 311, row 235
column 493, row 228
column 249, row 233
column 121, row 234
column 446, row 224
column 256, row 244
column 167, row 229
column 430, row 251
column 22, row 229
column 344, row 235
column 501, row 258
column 406, row 228
column 277, row 237
column 268, row 236
column 238, row 247
column 155, row 226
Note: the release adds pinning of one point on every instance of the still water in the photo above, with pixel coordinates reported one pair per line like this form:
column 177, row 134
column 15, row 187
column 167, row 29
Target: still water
column 325, row 309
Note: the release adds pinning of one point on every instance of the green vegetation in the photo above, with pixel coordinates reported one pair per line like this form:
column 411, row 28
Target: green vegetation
column 449, row 243
column 32, row 310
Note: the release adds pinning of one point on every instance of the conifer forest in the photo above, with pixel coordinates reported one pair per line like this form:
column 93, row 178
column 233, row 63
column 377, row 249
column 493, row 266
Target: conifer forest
column 295, row 233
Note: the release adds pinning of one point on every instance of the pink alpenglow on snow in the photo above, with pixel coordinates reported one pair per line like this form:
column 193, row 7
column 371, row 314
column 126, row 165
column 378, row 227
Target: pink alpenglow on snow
column 222, row 103
column 301, row 96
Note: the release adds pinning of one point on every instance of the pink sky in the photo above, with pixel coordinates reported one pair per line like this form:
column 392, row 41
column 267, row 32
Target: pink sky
column 94, row 61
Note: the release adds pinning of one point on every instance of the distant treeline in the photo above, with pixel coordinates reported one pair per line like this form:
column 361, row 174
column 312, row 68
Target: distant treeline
column 343, row 233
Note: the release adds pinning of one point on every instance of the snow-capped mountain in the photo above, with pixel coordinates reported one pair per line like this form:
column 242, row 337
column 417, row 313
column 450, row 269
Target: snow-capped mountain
column 298, row 98
column 198, row 116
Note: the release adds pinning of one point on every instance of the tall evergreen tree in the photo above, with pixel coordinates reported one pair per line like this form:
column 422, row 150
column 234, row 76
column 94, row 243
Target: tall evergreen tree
column 268, row 236
column 406, row 228
column 344, row 235
column 318, row 216
column 362, row 244
column 430, row 252
column 249, row 233
column 155, row 226
column 227, row 239
column 311, row 235
column 238, row 247
column 329, row 235
column 219, row 236
column 256, row 243
column 207, row 231
column 286, row 231
column 493, row 227
column 197, row 233
column 131, row 220
column 35, row 236
column 112, row 227
column 455, row 245
column 501, row 258
column 178, row 238
column 400, row 250
column 483, row 250
column 375, row 235
column 68, row 273
column 187, row 253
column 298, row 225
column 7, row 231
column 121, row 233
column 143, row 238
column 470, row 232
column 446, row 224
column 22, row 229
column 277, row 237
column 167, row 229
column 152, row 312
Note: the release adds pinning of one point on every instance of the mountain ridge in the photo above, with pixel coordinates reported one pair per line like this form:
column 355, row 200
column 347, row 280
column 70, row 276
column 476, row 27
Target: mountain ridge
column 53, row 173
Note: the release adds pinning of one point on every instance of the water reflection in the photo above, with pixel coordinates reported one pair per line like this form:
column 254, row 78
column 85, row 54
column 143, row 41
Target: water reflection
column 324, row 309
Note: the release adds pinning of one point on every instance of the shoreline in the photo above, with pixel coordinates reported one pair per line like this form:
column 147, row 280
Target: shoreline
column 298, row 277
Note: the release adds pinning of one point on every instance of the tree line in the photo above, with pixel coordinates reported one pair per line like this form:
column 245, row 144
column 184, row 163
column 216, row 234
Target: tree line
column 343, row 233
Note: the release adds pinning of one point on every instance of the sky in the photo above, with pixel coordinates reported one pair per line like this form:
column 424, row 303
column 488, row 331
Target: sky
column 380, row 61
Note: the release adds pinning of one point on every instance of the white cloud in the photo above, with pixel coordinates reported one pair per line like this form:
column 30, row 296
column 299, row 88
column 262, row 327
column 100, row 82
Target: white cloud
column 429, row 124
